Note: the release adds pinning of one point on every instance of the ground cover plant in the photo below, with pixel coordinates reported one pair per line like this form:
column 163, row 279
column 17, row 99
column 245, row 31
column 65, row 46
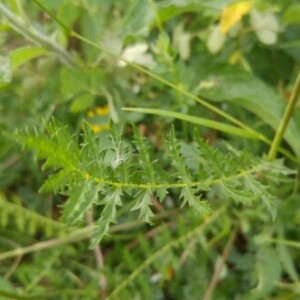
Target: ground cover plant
column 149, row 149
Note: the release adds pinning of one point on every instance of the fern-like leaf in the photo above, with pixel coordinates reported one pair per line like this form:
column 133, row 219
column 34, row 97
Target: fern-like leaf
column 100, row 171
column 112, row 199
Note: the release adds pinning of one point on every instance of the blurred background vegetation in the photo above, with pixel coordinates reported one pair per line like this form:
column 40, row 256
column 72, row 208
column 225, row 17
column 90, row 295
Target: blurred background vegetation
column 240, row 56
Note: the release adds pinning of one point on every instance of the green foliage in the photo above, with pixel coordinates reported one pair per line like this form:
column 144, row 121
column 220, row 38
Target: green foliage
column 26, row 220
column 102, row 175
column 241, row 88
column 145, row 127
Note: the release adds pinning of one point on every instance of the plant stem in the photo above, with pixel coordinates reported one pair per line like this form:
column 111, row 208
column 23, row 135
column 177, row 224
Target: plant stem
column 177, row 88
column 294, row 244
column 38, row 37
column 99, row 261
column 16, row 261
column 194, row 232
column 184, row 92
column 218, row 269
column 73, row 237
column 285, row 119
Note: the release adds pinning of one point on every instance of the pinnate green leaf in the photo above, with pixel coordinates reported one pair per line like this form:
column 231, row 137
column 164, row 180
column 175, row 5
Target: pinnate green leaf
column 111, row 200
column 102, row 172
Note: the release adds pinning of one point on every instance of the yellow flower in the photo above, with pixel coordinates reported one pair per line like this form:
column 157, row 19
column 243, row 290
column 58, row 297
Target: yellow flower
column 233, row 13
column 102, row 111
column 99, row 127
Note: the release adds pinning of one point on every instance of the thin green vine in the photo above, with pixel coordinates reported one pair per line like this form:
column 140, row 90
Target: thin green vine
column 285, row 119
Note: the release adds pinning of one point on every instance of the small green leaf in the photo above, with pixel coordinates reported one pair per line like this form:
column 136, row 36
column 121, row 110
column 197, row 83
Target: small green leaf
column 144, row 201
column 56, row 181
column 182, row 42
column 231, row 84
column 161, row 194
column 22, row 55
column 191, row 155
column 171, row 8
column 196, row 120
column 69, row 13
column 268, row 272
column 82, row 197
column 189, row 197
column 286, row 258
column 138, row 18
column 108, row 215
column 260, row 191
column 292, row 14
column 72, row 82
column 216, row 40
column 82, row 102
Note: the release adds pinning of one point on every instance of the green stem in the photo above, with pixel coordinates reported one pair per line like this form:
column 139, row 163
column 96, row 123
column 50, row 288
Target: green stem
column 33, row 34
column 285, row 119
column 202, row 183
column 294, row 244
column 189, row 235
column 220, row 266
column 48, row 294
column 177, row 88
column 180, row 89
column 73, row 237
column 170, row 62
